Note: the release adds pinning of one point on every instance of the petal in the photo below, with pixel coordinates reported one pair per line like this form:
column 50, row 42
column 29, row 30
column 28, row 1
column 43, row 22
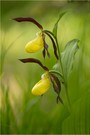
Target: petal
column 51, row 36
column 28, row 19
column 36, row 44
column 33, row 60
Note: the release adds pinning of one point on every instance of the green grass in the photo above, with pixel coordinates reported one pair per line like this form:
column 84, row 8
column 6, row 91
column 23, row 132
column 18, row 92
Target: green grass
column 20, row 111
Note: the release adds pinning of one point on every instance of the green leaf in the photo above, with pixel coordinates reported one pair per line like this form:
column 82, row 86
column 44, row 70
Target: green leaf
column 56, row 24
column 67, row 56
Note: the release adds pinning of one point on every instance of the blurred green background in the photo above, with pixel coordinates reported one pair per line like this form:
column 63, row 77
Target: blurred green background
column 20, row 111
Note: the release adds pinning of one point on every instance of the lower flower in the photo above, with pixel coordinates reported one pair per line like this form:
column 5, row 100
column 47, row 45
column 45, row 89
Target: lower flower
column 42, row 86
column 50, row 76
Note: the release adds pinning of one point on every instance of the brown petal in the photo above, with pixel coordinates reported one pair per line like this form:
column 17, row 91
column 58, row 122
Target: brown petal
column 29, row 60
column 28, row 19
column 46, row 48
column 44, row 52
column 59, row 99
column 56, row 83
column 53, row 43
column 57, row 86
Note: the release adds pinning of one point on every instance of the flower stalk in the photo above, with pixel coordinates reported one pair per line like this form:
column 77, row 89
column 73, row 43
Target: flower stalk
column 60, row 61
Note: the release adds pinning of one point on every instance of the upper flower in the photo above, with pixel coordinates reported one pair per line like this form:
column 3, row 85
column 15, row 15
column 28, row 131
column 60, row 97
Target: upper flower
column 35, row 44
column 39, row 42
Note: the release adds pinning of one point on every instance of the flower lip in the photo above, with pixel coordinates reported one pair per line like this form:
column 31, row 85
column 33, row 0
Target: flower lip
column 42, row 86
column 35, row 44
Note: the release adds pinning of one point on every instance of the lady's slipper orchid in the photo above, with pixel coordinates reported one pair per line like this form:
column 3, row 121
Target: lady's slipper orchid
column 39, row 42
column 36, row 44
column 46, row 79
column 33, row 46
column 42, row 86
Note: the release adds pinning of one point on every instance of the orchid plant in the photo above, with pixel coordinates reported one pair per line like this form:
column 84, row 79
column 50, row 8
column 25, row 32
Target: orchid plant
column 57, row 76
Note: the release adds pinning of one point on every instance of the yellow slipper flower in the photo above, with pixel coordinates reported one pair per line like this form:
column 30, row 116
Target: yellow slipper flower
column 42, row 86
column 36, row 44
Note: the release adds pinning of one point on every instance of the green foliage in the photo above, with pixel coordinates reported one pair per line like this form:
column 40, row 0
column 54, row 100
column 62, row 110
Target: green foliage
column 20, row 111
column 67, row 57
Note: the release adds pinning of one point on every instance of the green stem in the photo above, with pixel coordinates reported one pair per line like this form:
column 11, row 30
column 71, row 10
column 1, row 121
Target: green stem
column 59, row 54
column 65, row 84
column 62, row 75
column 68, row 99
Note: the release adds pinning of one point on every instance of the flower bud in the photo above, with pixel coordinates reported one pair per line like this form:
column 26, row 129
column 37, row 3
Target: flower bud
column 36, row 44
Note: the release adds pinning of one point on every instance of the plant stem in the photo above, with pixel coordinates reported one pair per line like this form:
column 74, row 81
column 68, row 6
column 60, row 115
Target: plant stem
column 60, row 61
column 65, row 83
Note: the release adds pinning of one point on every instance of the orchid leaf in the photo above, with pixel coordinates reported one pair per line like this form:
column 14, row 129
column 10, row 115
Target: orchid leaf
column 67, row 56
column 56, row 24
